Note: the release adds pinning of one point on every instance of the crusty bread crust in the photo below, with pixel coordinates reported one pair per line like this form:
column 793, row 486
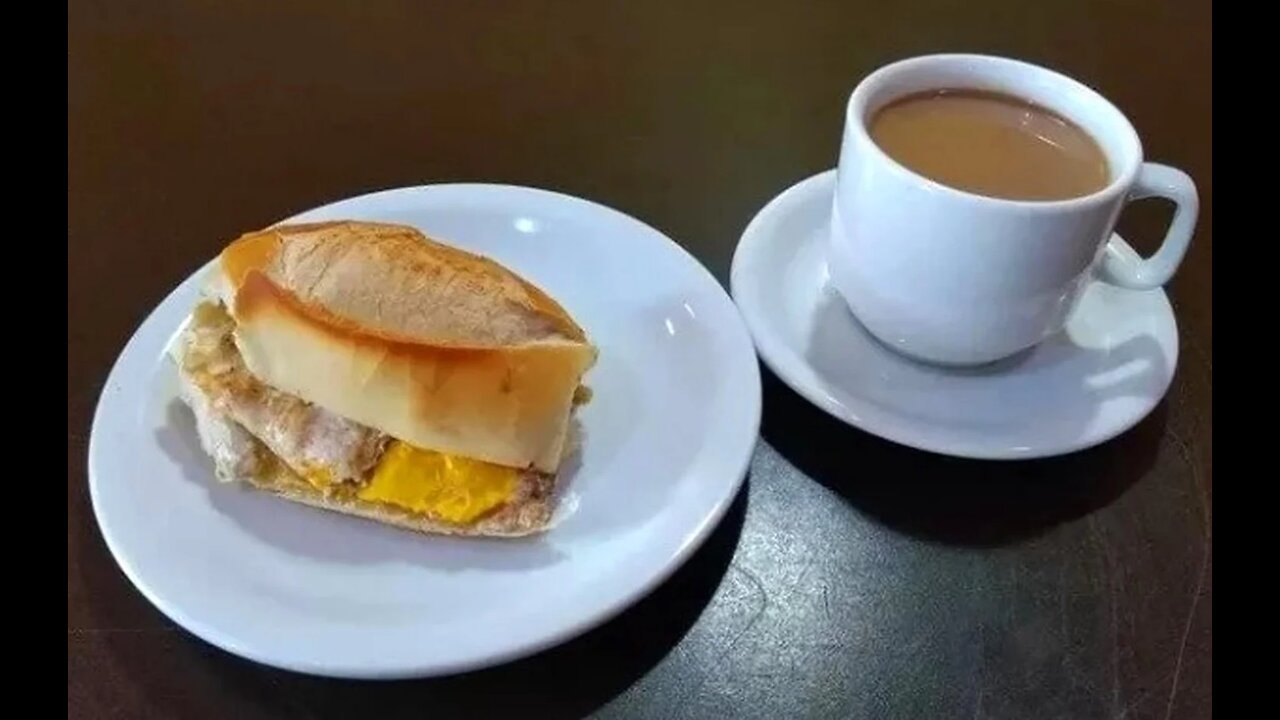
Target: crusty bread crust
column 391, row 282
column 429, row 344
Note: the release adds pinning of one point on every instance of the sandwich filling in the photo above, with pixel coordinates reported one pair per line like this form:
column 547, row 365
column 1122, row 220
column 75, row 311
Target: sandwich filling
column 264, row 436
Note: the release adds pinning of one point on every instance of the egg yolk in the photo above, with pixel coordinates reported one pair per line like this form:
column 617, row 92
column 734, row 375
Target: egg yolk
column 449, row 487
column 319, row 477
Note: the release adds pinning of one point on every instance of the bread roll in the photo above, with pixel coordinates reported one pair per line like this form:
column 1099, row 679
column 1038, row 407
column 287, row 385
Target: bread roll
column 429, row 344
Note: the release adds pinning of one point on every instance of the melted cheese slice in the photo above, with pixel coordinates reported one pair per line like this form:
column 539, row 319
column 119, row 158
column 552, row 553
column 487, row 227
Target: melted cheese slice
column 450, row 487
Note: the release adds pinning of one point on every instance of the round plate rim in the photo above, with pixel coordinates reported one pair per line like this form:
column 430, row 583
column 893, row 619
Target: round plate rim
column 797, row 374
column 694, row 538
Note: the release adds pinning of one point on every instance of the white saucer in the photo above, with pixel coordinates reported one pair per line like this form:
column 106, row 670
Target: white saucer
column 668, row 437
column 1098, row 378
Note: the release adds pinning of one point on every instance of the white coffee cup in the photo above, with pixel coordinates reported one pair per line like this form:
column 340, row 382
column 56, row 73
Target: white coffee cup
column 951, row 277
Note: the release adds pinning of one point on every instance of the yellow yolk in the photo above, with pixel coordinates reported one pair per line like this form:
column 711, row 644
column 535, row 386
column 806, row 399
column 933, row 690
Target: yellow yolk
column 449, row 487
column 319, row 477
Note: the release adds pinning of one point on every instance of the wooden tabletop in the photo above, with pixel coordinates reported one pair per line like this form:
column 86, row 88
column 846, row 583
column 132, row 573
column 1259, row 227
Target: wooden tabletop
column 853, row 578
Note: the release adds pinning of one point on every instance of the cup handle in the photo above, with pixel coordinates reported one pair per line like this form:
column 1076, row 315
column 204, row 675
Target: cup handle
column 1155, row 180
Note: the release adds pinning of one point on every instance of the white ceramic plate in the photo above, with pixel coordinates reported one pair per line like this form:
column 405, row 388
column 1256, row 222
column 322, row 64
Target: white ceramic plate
column 668, row 438
column 1098, row 378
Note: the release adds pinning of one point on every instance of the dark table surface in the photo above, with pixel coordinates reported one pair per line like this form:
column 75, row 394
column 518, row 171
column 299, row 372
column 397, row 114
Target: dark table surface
column 852, row 578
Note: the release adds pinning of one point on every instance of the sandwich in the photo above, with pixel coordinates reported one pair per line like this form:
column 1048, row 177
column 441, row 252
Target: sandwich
column 365, row 369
